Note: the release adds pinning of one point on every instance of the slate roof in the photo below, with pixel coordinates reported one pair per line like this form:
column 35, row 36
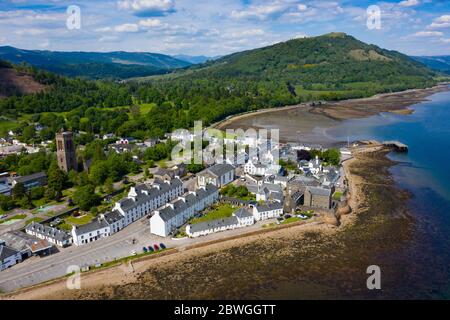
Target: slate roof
column 191, row 199
column 91, row 226
column 153, row 192
column 53, row 233
column 269, row 206
column 213, row 224
column 31, row 177
column 243, row 213
column 6, row 252
column 219, row 170
column 113, row 216
column 21, row 241
column 319, row 191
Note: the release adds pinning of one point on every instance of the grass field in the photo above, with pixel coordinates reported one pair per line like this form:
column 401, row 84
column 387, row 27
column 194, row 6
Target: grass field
column 79, row 221
column 36, row 219
column 217, row 212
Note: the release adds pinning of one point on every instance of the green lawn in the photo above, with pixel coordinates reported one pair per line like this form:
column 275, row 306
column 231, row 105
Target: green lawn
column 79, row 221
column 290, row 220
column 337, row 195
column 217, row 212
column 36, row 219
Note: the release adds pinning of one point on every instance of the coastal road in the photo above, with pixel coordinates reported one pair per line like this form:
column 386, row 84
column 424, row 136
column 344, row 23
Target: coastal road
column 37, row 270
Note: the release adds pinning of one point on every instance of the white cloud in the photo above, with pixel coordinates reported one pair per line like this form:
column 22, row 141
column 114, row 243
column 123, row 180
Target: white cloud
column 243, row 33
column 441, row 22
column 127, row 27
column 445, row 40
column 30, row 32
column 409, row 3
column 261, row 12
column 103, row 29
column 147, row 8
column 428, row 34
column 150, row 23
column 302, row 7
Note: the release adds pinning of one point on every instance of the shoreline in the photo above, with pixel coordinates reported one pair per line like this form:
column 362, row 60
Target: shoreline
column 396, row 102
column 128, row 274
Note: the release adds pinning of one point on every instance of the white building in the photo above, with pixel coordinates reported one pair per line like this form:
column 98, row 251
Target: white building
column 52, row 235
column 141, row 200
column 91, row 232
column 241, row 218
column 267, row 211
column 175, row 214
column 218, row 175
column 8, row 257
column 258, row 169
column 144, row 198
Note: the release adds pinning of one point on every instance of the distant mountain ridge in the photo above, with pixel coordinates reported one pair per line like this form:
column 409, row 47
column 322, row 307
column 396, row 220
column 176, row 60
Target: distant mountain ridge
column 438, row 63
column 116, row 64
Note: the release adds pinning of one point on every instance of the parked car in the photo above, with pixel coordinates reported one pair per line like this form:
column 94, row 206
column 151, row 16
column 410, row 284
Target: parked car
column 133, row 253
column 156, row 247
column 162, row 246
column 3, row 216
column 150, row 249
column 144, row 249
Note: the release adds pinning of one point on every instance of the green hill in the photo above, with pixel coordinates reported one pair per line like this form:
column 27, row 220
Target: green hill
column 333, row 61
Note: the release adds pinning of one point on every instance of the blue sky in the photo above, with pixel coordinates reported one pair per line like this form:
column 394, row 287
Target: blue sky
column 218, row 27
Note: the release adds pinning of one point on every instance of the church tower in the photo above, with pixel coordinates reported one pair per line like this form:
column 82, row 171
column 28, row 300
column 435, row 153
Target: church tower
column 65, row 151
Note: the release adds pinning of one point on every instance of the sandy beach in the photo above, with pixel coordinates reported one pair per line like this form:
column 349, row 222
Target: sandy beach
column 310, row 124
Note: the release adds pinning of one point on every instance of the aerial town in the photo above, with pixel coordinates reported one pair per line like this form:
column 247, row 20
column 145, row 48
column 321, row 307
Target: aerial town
column 171, row 206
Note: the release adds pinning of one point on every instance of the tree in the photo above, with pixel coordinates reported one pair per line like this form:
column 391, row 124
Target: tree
column 56, row 182
column 28, row 133
column 18, row 191
column 98, row 172
column 109, row 186
column 85, row 197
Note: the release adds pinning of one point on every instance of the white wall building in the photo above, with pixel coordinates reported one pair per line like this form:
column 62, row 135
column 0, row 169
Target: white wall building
column 141, row 200
column 241, row 218
column 218, row 175
column 267, row 211
column 258, row 169
column 175, row 214
column 8, row 257
column 52, row 235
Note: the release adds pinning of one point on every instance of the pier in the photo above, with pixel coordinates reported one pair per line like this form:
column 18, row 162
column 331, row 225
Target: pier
column 398, row 146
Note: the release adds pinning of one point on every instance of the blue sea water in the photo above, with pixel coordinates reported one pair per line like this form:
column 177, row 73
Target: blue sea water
column 425, row 172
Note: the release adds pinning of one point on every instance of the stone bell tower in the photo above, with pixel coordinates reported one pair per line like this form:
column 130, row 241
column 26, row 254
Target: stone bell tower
column 65, row 151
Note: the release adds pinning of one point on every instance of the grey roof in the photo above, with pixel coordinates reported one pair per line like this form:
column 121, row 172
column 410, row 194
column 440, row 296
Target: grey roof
column 191, row 199
column 91, row 226
column 21, row 241
column 113, row 216
column 31, row 177
column 271, row 187
column 153, row 192
column 319, row 191
column 269, row 206
column 243, row 213
column 6, row 252
column 53, row 233
column 213, row 224
column 219, row 170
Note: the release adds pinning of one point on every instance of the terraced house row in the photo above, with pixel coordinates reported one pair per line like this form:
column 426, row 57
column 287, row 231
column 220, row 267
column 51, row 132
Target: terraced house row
column 141, row 200
column 166, row 220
